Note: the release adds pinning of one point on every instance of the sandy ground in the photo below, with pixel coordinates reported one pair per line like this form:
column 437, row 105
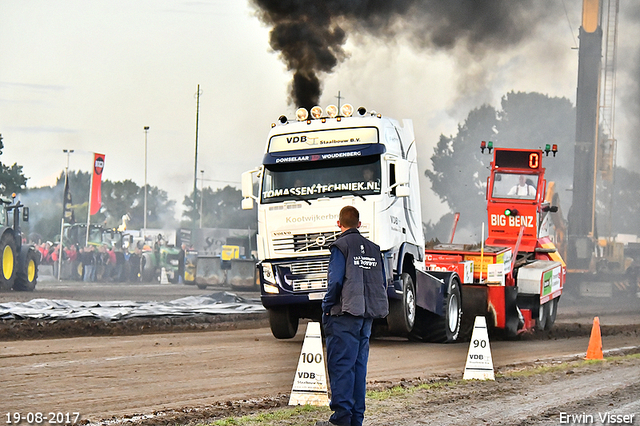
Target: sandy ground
column 207, row 367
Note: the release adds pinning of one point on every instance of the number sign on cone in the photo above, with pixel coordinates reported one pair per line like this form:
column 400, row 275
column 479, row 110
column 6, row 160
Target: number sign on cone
column 310, row 382
column 479, row 363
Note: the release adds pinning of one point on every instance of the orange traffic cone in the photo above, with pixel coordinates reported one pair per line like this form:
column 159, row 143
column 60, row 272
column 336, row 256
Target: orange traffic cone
column 595, row 341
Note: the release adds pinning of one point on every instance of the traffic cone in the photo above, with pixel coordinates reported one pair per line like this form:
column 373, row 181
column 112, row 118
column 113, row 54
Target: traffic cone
column 595, row 341
column 479, row 363
column 310, row 383
column 163, row 276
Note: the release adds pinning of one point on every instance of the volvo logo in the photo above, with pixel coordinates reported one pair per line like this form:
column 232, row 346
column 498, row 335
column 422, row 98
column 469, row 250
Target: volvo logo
column 321, row 240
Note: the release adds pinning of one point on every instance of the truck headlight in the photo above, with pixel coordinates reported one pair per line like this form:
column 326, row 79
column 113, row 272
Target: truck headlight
column 268, row 288
column 267, row 273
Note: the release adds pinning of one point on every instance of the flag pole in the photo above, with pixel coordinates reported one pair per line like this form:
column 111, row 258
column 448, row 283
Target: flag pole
column 64, row 202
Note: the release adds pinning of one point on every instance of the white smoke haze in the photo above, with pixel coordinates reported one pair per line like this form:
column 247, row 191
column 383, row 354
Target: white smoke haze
column 628, row 86
column 90, row 80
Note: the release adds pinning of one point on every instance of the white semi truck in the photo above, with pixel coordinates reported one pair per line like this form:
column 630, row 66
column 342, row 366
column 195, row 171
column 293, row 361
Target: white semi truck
column 313, row 166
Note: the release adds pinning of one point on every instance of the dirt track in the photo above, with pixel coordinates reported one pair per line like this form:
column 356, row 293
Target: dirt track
column 116, row 376
column 119, row 376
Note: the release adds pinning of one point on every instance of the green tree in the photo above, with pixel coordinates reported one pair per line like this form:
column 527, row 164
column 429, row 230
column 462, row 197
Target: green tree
column 526, row 120
column 118, row 199
column 532, row 120
column 12, row 180
column 459, row 169
column 122, row 198
column 160, row 209
column 220, row 209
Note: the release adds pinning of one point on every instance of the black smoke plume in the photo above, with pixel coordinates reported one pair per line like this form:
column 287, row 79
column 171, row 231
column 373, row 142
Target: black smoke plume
column 310, row 35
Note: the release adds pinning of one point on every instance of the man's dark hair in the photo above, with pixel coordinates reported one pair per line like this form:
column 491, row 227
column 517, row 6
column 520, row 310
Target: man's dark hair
column 349, row 217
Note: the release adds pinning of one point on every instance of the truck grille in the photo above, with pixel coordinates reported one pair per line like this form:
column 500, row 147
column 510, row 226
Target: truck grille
column 308, row 242
column 309, row 275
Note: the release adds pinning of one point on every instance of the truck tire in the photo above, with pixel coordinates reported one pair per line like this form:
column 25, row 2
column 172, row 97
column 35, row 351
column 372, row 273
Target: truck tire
column 284, row 324
column 7, row 251
column 431, row 327
column 402, row 312
column 552, row 311
column 27, row 276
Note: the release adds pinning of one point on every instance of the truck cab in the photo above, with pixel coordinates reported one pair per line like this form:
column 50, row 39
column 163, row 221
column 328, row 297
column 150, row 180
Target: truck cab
column 313, row 166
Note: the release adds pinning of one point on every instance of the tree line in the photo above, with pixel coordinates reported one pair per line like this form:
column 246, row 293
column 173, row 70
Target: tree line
column 459, row 170
column 458, row 176
column 221, row 207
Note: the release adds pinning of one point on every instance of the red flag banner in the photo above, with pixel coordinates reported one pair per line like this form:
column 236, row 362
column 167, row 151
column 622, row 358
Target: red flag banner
column 96, row 183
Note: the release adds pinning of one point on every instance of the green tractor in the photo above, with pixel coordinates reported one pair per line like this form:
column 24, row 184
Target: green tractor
column 161, row 256
column 19, row 261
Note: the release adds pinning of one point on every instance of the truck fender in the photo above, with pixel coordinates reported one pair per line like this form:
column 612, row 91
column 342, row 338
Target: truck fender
column 432, row 287
column 407, row 253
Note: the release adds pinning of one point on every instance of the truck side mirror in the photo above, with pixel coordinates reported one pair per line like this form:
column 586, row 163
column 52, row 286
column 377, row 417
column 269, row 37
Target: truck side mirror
column 247, row 189
column 247, row 203
column 25, row 214
column 247, row 184
column 402, row 172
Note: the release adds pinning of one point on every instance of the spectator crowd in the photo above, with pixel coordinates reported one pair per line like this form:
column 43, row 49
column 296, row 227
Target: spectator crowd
column 93, row 263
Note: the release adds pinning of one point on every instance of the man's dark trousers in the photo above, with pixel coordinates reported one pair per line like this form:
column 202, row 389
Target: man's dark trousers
column 347, row 355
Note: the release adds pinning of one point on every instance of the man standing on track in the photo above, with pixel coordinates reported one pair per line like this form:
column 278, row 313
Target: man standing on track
column 356, row 295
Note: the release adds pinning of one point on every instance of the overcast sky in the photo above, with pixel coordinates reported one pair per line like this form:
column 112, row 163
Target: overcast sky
column 89, row 75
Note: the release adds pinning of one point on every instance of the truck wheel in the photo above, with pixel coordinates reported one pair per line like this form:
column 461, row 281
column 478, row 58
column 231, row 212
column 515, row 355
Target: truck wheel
column 7, row 251
column 402, row 312
column 284, row 325
column 552, row 311
column 28, row 274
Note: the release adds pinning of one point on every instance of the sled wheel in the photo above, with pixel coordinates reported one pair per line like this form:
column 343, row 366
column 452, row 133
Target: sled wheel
column 551, row 313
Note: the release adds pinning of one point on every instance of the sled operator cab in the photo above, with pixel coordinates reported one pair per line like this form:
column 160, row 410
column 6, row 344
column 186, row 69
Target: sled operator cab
column 516, row 190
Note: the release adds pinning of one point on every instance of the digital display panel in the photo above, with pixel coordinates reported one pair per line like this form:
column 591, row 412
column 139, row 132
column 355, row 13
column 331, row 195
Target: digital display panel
column 518, row 159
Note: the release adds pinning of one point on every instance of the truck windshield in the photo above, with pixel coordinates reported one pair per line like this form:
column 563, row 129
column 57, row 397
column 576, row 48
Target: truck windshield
column 319, row 179
column 511, row 185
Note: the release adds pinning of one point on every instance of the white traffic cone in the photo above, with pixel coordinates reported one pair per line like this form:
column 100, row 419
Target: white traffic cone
column 479, row 363
column 310, row 382
column 163, row 276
